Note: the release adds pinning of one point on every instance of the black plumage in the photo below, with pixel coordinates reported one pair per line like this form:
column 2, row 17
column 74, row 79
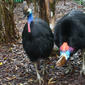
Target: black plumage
column 70, row 29
column 37, row 43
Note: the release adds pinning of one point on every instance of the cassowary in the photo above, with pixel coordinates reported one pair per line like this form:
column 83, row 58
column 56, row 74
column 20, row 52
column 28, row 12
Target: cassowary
column 37, row 39
column 69, row 35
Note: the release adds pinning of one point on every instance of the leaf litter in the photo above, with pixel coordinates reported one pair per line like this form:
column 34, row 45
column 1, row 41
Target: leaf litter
column 16, row 68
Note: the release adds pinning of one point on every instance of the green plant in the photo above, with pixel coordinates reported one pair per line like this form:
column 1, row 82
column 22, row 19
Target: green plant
column 80, row 2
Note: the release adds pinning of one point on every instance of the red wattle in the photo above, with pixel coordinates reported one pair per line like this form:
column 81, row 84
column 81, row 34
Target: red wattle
column 29, row 30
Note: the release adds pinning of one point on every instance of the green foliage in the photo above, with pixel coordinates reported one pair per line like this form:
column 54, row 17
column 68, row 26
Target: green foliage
column 80, row 2
column 16, row 1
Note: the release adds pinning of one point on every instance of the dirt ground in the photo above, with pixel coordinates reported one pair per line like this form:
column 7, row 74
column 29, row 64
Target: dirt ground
column 16, row 69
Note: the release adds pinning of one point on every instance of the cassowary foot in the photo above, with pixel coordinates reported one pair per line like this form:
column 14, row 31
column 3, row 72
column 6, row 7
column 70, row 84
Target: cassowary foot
column 51, row 81
column 41, row 81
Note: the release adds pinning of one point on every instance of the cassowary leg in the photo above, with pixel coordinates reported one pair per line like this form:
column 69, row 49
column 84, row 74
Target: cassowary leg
column 44, row 67
column 38, row 75
column 45, row 72
column 83, row 64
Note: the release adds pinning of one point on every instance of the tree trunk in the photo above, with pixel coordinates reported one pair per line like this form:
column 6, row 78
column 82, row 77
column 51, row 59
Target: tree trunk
column 47, row 5
column 52, row 6
column 47, row 11
column 36, row 7
column 52, row 11
column 43, row 10
column 7, row 26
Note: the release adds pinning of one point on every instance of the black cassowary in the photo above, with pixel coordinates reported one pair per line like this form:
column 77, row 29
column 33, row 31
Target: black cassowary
column 69, row 35
column 37, row 39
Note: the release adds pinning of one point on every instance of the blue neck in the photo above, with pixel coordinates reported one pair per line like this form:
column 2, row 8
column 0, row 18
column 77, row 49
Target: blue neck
column 30, row 18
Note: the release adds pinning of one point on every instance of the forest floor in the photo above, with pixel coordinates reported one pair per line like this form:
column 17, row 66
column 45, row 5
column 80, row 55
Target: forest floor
column 16, row 69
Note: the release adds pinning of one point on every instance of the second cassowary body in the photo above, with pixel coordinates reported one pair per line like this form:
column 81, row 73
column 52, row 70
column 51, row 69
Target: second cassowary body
column 69, row 35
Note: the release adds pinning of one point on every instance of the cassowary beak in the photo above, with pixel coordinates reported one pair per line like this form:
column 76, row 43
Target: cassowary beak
column 26, row 10
column 64, row 54
column 26, row 13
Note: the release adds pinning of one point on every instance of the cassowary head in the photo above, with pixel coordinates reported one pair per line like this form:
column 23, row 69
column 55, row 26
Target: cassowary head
column 26, row 10
column 29, row 15
column 29, row 12
column 65, row 51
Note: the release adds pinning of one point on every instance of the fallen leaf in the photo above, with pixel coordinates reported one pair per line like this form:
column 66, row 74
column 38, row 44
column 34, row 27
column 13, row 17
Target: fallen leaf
column 5, row 58
column 30, row 80
column 20, row 84
column 10, row 49
column 52, row 67
column 51, row 81
column 11, row 78
column 1, row 63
